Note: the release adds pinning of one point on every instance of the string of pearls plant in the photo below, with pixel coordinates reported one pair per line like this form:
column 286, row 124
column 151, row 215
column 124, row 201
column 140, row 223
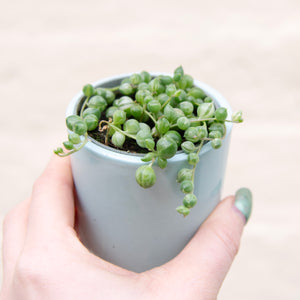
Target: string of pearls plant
column 161, row 115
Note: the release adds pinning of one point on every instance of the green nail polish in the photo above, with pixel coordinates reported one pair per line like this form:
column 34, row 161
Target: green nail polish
column 243, row 202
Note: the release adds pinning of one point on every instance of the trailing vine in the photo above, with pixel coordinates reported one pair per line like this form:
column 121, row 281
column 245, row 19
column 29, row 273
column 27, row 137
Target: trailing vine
column 161, row 115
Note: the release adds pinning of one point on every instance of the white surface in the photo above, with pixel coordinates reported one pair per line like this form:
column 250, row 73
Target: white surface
column 249, row 51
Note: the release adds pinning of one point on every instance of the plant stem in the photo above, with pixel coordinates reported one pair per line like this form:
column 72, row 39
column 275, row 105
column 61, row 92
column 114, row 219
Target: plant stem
column 232, row 121
column 150, row 116
column 224, row 132
column 84, row 106
column 194, row 168
column 113, row 89
column 75, row 149
column 117, row 129
column 163, row 106
column 202, row 120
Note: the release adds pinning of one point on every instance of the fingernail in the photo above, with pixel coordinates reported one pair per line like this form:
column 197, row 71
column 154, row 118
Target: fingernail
column 243, row 202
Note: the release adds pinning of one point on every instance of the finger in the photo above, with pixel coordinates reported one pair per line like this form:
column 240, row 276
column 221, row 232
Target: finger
column 205, row 261
column 52, row 204
column 14, row 232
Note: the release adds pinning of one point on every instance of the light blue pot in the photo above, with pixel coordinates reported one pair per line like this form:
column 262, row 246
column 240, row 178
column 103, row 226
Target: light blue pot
column 137, row 228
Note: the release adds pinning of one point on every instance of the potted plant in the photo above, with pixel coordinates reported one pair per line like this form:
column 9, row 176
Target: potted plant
column 138, row 134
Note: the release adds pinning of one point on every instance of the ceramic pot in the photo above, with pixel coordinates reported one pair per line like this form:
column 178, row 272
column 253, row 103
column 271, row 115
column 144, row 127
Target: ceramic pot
column 137, row 228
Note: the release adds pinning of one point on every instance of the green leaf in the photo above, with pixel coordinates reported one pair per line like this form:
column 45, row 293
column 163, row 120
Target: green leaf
column 183, row 210
column 148, row 157
column 145, row 176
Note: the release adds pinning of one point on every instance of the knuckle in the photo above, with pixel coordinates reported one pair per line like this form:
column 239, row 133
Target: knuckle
column 27, row 271
column 14, row 215
column 150, row 280
column 10, row 218
column 37, row 184
column 7, row 221
column 32, row 271
column 228, row 240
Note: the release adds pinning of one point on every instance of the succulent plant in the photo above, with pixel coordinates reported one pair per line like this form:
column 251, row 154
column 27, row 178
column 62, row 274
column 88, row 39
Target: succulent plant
column 159, row 115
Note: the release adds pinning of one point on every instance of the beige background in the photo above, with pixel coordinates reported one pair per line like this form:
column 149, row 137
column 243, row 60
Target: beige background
column 248, row 50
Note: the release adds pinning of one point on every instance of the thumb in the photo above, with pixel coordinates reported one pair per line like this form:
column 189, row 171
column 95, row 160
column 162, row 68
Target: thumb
column 205, row 261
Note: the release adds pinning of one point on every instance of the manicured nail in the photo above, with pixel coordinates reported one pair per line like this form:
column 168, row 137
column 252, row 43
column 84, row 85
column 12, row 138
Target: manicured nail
column 243, row 202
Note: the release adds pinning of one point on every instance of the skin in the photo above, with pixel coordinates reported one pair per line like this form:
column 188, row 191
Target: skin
column 43, row 257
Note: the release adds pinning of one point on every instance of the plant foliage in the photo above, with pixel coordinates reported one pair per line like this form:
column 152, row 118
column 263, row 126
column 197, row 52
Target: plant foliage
column 161, row 115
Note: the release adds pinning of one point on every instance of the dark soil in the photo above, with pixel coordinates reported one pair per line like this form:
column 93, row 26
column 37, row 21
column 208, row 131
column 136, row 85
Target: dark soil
column 129, row 145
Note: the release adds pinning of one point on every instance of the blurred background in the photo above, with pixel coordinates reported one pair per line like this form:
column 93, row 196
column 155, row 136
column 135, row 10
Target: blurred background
column 248, row 50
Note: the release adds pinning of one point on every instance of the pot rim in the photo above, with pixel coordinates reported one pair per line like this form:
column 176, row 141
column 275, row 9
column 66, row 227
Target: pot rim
column 96, row 147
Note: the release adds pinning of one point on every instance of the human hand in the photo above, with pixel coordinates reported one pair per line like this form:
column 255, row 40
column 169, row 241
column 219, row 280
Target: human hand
column 44, row 259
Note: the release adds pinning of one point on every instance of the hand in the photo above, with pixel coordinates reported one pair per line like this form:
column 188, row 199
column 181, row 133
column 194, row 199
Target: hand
column 44, row 259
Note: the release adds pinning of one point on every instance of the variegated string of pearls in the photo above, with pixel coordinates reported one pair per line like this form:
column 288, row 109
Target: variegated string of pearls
column 162, row 114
